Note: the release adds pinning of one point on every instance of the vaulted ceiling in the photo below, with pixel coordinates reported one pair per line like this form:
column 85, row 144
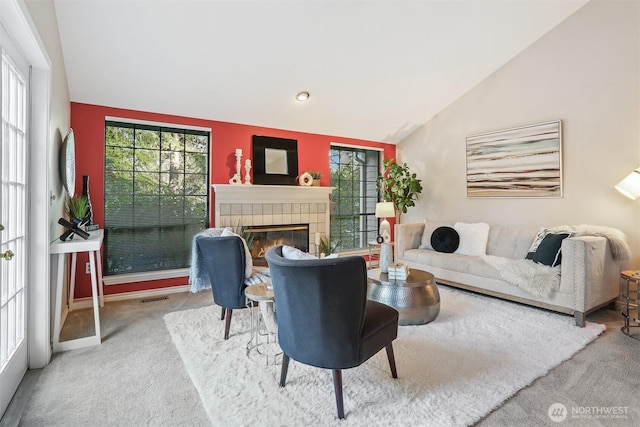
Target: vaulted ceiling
column 376, row 70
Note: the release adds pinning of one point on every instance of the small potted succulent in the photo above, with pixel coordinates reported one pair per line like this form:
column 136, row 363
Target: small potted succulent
column 316, row 178
column 77, row 209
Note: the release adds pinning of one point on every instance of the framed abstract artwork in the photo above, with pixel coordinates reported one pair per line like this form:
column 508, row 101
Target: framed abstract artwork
column 520, row 162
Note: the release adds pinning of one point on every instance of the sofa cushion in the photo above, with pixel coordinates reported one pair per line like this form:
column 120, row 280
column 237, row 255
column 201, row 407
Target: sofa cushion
column 428, row 260
column 429, row 227
column 549, row 251
column 445, row 239
column 510, row 242
column 473, row 238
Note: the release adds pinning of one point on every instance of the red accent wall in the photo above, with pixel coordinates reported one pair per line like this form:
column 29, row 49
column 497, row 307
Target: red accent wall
column 88, row 121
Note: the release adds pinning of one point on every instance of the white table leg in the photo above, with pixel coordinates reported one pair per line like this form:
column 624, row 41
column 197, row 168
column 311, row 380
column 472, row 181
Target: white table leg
column 94, row 291
column 100, row 283
column 58, row 303
column 72, row 280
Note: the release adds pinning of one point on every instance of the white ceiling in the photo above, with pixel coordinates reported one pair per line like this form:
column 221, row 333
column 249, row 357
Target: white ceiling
column 376, row 70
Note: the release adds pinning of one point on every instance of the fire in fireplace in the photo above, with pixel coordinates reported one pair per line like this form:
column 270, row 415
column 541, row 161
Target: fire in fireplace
column 268, row 236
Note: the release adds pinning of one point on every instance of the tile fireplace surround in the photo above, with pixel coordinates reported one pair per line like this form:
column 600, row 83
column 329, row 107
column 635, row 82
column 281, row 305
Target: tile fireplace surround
column 273, row 205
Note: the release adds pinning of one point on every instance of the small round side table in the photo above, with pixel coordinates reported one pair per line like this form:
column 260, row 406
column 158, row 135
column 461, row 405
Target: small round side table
column 264, row 332
column 630, row 301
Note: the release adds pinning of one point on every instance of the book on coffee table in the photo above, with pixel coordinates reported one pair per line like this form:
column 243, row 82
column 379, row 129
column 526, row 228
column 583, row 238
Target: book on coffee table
column 398, row 271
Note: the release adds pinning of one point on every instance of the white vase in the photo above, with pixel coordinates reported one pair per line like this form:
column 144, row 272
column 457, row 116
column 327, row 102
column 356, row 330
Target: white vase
column 386, row 257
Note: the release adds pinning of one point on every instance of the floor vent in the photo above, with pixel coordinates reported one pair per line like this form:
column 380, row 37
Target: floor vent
column 154, row 299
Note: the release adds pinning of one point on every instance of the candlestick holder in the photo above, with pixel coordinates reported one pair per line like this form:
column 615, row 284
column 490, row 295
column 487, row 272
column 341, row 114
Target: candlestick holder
column 237, row 178
column 247, row 175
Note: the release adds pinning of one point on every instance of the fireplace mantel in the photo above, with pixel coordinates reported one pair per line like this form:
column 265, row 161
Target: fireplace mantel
column 270, row 193
column 273, row 205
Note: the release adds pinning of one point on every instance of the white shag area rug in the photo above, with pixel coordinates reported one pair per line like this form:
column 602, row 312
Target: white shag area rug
column 451, row 372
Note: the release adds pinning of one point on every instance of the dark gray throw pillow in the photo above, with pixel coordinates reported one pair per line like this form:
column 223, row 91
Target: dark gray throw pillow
column 445, row 239
column 549, row 251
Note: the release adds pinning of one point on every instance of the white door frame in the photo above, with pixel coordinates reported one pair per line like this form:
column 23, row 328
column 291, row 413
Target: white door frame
column 15, row 16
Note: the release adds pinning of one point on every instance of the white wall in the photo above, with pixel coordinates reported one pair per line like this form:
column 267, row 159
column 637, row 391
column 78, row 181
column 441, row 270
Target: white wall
column 43, row 15
column 50, row 120
column 585, row 72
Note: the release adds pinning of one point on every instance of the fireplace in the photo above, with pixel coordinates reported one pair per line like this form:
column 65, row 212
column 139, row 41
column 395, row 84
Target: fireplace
column 275, row 205
column 268, row 236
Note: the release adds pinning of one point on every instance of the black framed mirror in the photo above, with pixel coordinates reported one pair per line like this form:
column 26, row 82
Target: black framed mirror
column 275, row 160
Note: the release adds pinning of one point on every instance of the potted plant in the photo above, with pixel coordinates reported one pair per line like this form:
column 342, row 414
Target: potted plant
column 316, row 178
column 76, row 208
column 242, row 231
column 325, row 247
column 398, row 185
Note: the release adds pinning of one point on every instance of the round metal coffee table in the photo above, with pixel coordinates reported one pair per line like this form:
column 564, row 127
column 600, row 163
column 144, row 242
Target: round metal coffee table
column 417, row 299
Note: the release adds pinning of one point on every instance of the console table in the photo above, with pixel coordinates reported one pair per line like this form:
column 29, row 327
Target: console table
column 92, row 246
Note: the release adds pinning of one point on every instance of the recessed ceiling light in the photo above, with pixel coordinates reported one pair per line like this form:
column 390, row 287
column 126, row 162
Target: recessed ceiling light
column 302, row 96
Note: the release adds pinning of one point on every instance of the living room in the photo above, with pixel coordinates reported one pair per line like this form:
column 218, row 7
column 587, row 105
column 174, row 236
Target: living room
column 584, row 71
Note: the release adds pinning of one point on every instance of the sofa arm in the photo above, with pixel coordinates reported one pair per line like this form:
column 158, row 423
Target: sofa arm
column 588, row 272
column 408, row 236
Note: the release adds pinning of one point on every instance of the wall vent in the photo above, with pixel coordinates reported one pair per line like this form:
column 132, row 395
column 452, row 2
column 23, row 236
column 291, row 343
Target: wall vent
column 154, row 299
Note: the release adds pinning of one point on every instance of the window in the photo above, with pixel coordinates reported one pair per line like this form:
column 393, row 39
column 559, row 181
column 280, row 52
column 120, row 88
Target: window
column 156, row 196
column 354, row 172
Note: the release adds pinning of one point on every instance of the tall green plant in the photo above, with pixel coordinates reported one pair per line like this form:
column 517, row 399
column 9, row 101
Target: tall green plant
column 397, row 184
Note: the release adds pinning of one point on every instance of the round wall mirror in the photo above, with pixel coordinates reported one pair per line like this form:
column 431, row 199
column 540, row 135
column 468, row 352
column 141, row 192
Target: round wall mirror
column 68, row 163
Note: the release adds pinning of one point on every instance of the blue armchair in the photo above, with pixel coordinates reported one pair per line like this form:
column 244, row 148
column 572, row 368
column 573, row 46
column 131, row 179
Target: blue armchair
column 324, row 317
column 224, row 258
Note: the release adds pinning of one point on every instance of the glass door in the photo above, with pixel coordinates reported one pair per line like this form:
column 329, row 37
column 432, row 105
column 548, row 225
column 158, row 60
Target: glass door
column 13, row 225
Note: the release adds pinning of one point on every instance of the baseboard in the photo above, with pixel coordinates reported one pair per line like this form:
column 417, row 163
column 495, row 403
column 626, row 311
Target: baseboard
column 87, row 302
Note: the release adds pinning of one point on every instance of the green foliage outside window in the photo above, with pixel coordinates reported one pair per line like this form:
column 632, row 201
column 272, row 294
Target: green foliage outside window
column 353, row 173
column 156, row 196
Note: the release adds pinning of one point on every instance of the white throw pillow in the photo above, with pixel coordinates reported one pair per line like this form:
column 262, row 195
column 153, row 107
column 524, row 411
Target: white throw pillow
column 473, row 238
column 429, row 228
column 249, row 262
column 289, row 252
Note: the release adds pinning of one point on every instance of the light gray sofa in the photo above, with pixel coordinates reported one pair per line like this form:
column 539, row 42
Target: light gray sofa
column 589, row 276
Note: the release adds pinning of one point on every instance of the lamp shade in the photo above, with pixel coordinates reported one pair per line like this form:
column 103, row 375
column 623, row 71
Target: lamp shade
column 630, row 186
column 385, row 210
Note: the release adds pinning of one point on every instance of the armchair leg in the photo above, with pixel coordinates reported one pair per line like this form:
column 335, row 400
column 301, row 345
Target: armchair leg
column 337, row 386
column 284, row 369
column 227, row 323
column 392, row 360
column 222, row 315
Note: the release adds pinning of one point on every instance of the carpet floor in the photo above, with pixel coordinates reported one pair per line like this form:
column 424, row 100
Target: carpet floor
column 478, row 353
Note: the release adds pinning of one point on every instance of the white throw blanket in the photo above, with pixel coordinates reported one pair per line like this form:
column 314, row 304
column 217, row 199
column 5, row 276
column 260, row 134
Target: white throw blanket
column 542, row 280
column 537, row 279
column 198, row 274
column 617, row 239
